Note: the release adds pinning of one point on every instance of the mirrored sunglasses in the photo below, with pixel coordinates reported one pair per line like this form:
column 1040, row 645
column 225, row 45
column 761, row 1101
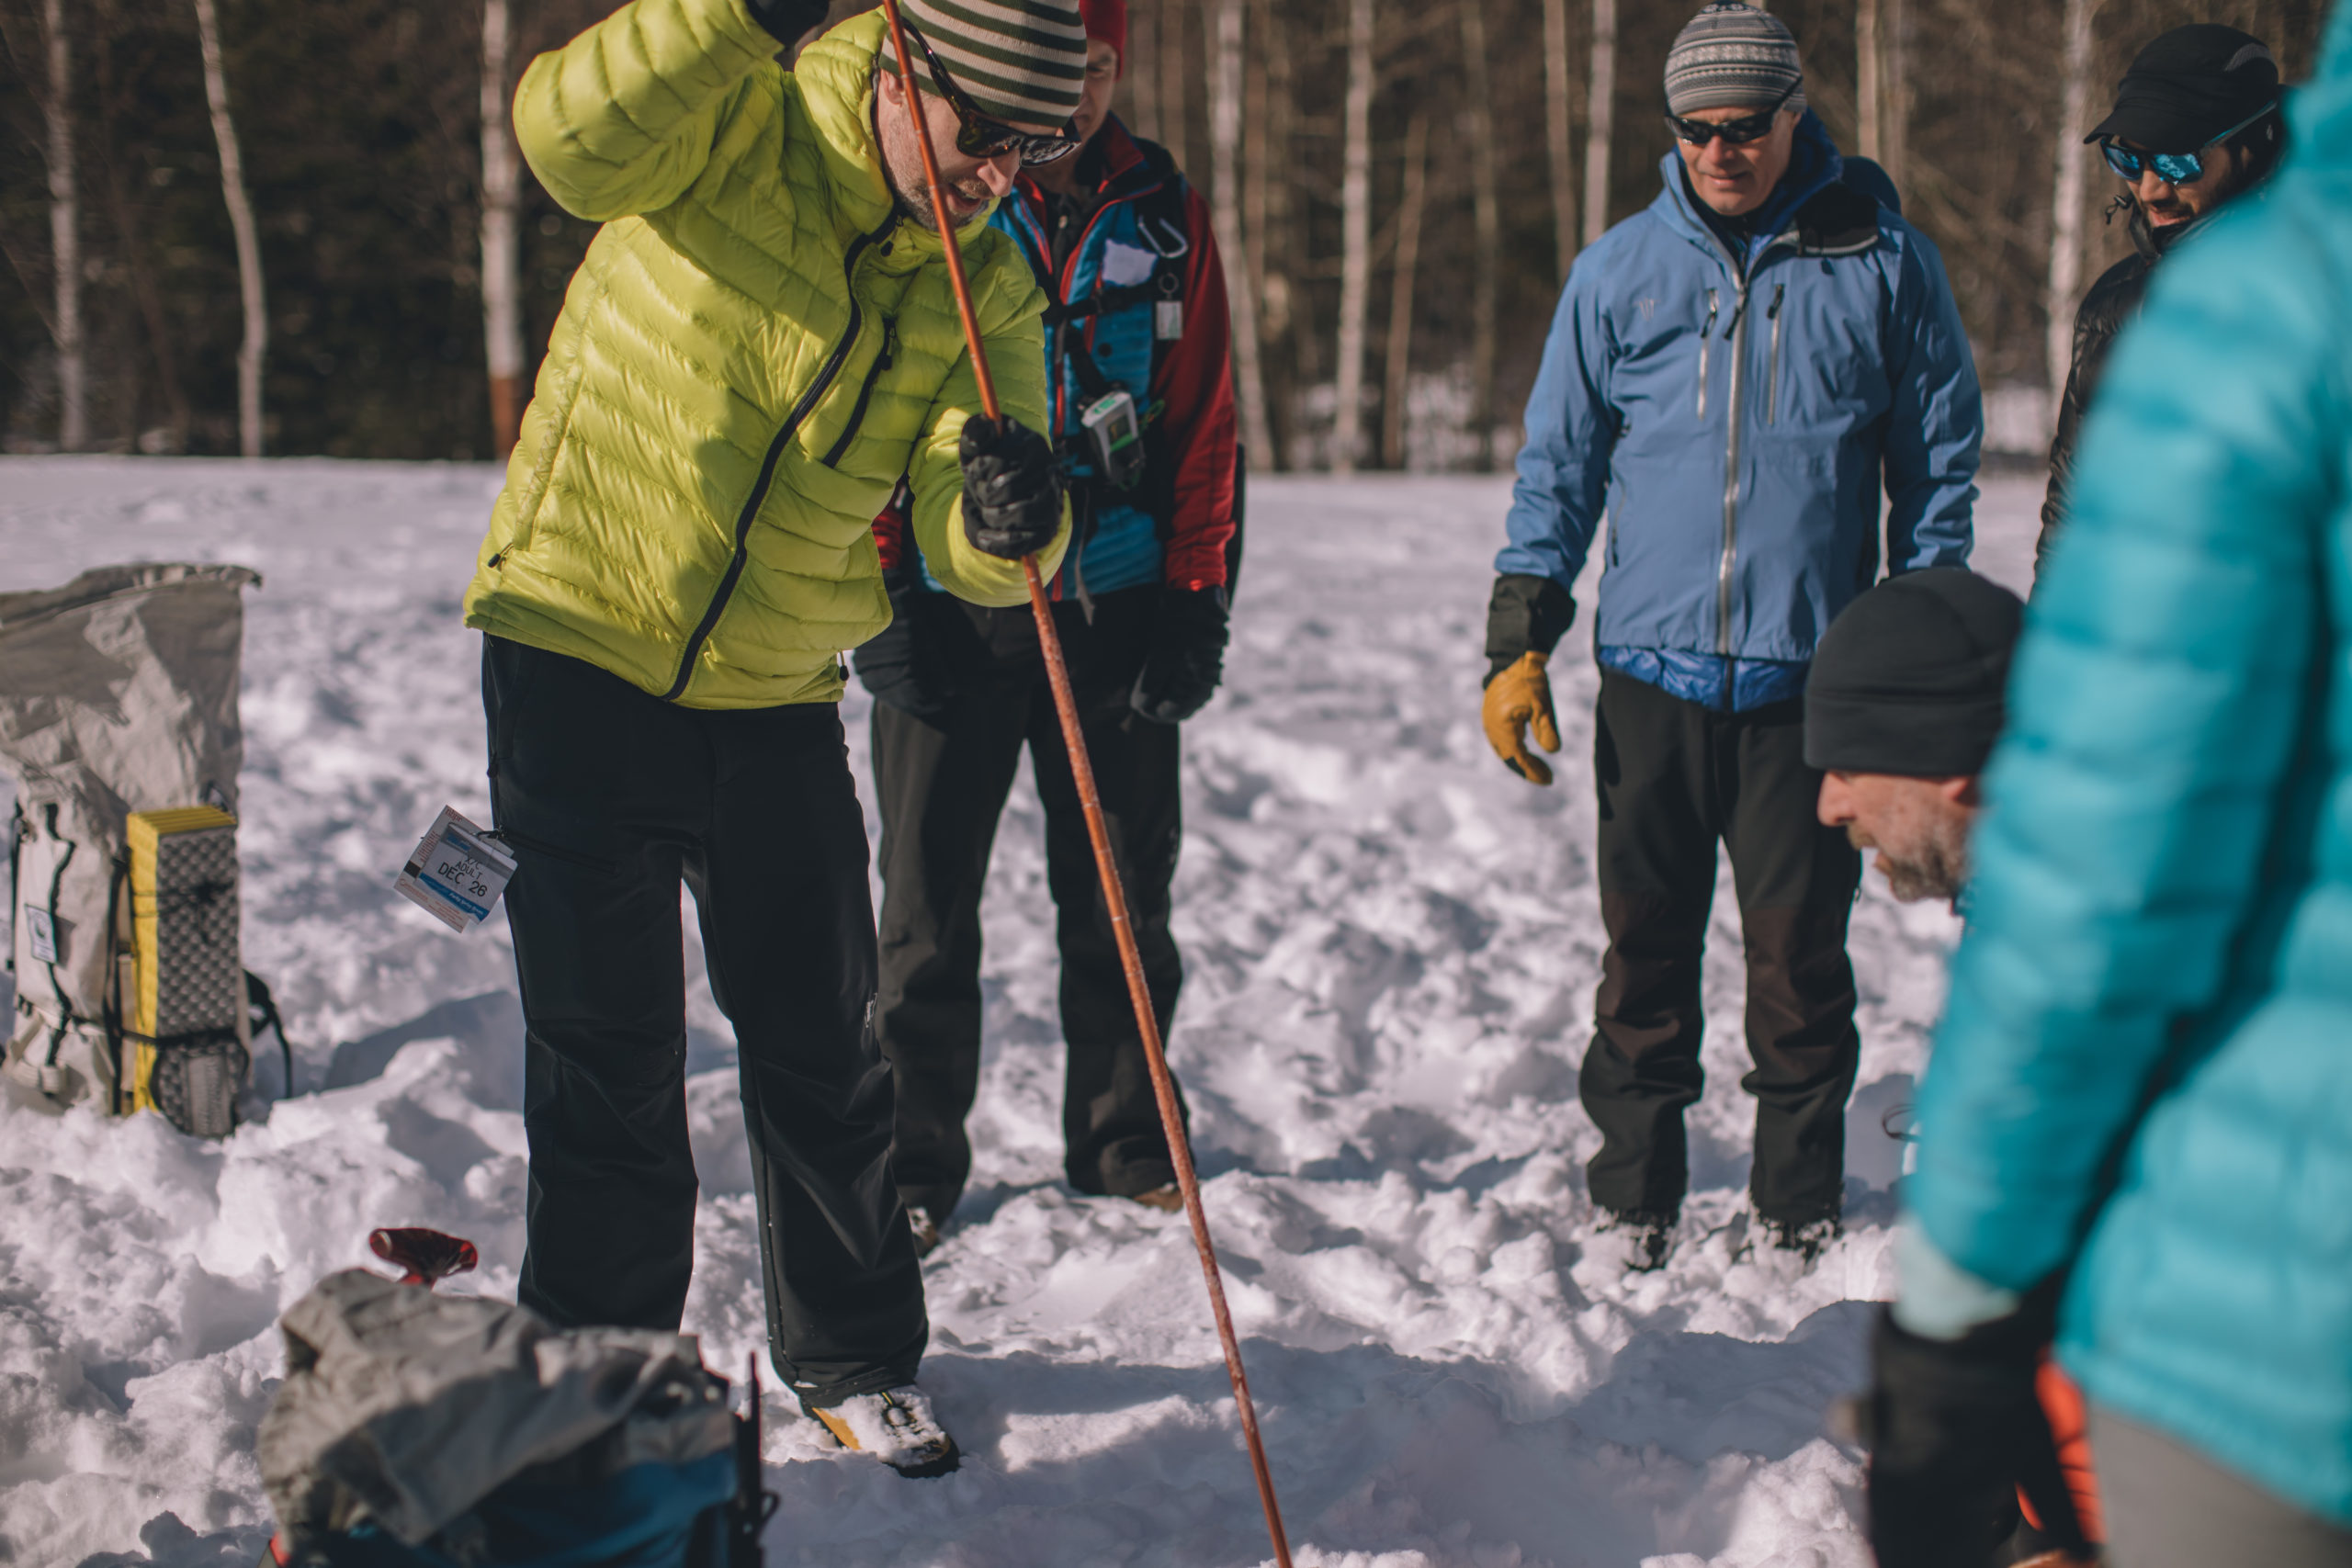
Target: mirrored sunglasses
column 2173, row 168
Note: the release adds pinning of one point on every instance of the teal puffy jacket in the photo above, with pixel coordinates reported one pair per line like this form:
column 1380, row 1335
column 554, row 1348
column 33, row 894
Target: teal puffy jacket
column 2145, row 1071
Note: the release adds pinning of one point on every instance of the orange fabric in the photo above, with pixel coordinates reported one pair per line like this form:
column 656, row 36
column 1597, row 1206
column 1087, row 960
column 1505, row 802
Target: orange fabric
column 2069, row 1418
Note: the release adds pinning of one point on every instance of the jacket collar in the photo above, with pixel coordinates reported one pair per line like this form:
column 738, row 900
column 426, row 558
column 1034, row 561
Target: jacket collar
column 1815, row 166
column 836, row 76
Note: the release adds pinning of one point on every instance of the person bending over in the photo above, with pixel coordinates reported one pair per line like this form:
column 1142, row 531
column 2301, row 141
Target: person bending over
column 761, row 341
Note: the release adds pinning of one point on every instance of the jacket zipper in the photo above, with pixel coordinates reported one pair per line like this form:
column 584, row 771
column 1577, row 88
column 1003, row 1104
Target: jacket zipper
column 865, row 394
column 1772, row 377
column 1707, row 347
column 792, row 422
column 1737, row 333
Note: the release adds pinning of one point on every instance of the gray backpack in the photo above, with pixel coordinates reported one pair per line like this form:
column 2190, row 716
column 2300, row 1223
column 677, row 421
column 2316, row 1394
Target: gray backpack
column 119, row 696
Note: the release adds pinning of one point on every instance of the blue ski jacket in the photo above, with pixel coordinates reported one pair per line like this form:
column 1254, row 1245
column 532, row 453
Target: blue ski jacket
column 2145, row 1075
column 1731, row 417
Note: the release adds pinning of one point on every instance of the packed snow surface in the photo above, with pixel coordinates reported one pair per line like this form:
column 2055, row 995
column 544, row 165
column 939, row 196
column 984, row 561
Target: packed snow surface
column 1391, row 946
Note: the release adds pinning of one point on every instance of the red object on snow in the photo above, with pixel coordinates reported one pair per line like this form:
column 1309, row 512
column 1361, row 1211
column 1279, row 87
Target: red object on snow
column 424, row 1256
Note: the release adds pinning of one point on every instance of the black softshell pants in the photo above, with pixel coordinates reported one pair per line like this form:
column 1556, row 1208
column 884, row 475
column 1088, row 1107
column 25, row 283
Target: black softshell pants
column 610, row 797
column 943, row 780
column 1674, row 778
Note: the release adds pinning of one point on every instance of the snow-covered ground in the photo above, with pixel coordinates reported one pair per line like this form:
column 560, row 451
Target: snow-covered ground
column 1391, row 948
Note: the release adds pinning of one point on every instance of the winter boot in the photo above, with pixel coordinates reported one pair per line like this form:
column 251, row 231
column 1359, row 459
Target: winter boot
column 896, row 1426
column 1168, row 1200
column 1643, row 1236
column 1805, row 1239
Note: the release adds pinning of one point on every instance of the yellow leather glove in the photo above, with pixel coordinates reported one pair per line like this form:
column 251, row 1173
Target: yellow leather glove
column 1516, row 697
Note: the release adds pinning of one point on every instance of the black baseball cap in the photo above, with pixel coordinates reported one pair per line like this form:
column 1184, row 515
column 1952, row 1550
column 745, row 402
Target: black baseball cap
column 2188, row 87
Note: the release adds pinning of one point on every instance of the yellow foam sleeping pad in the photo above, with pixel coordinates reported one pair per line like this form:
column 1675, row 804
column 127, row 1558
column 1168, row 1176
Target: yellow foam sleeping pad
column 1517, row 698
column 184, row 992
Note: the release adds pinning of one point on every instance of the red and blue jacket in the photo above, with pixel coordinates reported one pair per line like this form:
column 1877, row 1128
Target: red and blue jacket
column 1137, row 301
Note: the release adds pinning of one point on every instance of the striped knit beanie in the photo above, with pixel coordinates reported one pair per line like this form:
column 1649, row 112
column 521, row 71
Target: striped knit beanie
column 1731, row 56
column 1020, row 61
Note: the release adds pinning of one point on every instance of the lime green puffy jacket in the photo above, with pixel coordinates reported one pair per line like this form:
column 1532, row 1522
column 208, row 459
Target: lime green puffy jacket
column 758, row 345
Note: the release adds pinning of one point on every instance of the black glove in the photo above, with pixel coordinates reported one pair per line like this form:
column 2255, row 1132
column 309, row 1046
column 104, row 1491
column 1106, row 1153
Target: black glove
column 1013, row 488
column 1526, row 614
column 1186, row 659
column 1953, row 1426
column 913, row 663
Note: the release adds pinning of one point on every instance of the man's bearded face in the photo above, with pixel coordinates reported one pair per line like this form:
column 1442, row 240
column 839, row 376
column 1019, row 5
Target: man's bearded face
column 1919, row 828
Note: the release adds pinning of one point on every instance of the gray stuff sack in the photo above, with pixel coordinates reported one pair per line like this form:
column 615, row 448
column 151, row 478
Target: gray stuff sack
column 404, row 1409
column 117, row 694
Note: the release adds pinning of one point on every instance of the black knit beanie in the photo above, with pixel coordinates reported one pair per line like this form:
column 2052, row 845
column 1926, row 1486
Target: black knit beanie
column 1910, row 680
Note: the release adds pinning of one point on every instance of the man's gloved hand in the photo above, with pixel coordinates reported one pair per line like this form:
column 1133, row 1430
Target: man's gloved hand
column 1516, row 697
column 1187, row 656
column 1952, row 1425
column 1013, row 488
column 912, row 663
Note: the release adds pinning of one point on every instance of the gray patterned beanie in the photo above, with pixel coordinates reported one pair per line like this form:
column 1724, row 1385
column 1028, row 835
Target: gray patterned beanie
column 1730, row 56
column 1016, row 59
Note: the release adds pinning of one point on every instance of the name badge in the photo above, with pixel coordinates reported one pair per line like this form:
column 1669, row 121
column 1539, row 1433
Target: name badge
column 457, row 874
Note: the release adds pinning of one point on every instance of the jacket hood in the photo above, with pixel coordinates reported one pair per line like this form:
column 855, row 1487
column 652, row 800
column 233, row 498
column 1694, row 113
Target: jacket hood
column 836, row 75
column 1815, row 163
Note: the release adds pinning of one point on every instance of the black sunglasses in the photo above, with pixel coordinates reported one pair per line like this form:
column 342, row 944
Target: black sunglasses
column 1738, row 132
column 977, row 136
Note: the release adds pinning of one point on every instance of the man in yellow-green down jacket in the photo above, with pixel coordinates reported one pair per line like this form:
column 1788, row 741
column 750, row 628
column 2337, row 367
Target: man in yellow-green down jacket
column 761, row 341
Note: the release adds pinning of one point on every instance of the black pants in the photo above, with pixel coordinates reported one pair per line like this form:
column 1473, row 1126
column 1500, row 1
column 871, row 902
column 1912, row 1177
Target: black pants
column 1674, row 778
column 942, row 779
column 611, row 796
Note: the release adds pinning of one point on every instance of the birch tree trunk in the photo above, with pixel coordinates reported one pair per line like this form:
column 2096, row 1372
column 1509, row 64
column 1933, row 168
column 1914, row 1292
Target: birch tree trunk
column 1289, row 315
column 1224, row 158
column 502, row 293
column 1143, row 74
column 1895, row 97
column 1486, row 208
column 1171, row 44
column 65, row 238
column 1601, row 119
column 1558, row 86
column 1355, row 238
column 255, row 342
column 1868, row 58
column 1256, row 177
column 1400, row 291
column 2066, row 200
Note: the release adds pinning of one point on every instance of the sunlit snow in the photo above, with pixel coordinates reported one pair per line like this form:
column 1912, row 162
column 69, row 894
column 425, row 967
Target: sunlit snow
column 1391, row 946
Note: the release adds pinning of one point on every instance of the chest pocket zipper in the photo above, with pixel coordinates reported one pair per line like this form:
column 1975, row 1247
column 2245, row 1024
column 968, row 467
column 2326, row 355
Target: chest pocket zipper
column 1706, row 347
column 864, row 395
column 1772, row 374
